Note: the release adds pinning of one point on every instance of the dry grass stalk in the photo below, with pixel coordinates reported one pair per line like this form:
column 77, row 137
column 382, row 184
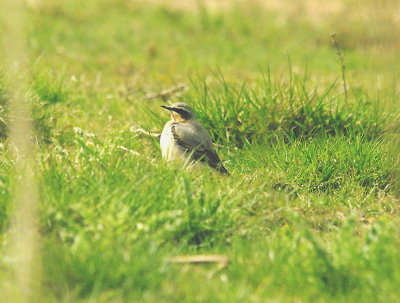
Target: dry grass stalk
column 24, row 236
column 141, row 131
column 341, row 59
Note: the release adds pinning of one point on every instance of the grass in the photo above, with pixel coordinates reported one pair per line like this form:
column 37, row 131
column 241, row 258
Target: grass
column 310, row 211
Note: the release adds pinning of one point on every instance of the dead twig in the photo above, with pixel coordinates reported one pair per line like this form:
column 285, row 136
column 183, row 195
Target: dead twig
column 141, row 131
column 168, row 93
column 201, row 259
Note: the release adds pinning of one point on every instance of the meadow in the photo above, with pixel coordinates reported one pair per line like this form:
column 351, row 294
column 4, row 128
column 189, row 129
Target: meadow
column 310, row 210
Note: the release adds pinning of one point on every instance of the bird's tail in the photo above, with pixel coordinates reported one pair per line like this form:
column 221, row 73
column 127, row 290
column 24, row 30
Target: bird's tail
column 223, row 170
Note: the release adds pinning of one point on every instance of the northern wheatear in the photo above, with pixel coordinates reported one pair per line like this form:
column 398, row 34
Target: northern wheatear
column 185, row 139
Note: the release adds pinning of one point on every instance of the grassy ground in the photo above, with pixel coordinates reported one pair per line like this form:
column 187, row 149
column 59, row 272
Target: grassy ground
column 310, row 212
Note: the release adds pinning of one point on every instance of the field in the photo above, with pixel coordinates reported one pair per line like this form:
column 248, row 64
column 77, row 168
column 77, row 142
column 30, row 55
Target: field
column 310, row 212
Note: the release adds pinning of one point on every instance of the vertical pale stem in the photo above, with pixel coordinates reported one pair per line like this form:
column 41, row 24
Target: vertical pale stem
column 24, row 287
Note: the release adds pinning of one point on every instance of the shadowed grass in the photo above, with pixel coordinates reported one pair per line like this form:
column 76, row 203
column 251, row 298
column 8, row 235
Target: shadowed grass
column 240, row 114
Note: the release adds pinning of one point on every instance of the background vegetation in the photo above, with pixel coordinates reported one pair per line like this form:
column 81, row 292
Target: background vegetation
column 310, row 212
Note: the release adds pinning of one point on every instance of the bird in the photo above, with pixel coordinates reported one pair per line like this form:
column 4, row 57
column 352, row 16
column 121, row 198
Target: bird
column 184, row 139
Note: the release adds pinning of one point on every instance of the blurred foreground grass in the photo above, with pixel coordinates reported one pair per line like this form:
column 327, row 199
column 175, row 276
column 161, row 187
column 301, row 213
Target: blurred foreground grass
column 310, row 212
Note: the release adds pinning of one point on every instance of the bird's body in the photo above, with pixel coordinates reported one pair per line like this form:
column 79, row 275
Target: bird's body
column 185, row 140
column 169, row 149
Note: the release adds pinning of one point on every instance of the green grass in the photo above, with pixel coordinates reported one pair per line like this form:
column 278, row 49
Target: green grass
column 310, row 211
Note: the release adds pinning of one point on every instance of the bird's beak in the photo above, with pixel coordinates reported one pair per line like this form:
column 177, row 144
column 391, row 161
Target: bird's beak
column 169, row 108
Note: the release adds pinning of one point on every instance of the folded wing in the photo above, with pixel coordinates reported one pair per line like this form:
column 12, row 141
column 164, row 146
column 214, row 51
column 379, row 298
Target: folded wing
column 194, row 140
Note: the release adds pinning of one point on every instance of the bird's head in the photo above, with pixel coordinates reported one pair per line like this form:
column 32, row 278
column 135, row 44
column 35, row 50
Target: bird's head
column 180, row 112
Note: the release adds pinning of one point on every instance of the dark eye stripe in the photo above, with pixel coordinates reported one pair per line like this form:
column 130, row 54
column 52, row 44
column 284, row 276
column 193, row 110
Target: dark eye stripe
column 184, row 114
